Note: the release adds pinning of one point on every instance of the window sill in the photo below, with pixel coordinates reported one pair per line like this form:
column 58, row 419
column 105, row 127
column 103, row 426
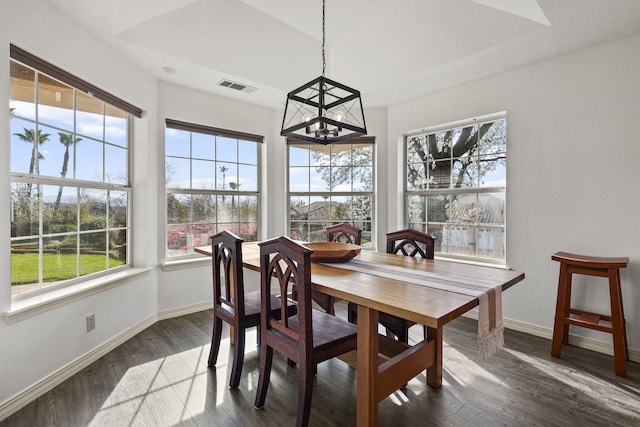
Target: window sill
column 44, row 302
column 186, row 263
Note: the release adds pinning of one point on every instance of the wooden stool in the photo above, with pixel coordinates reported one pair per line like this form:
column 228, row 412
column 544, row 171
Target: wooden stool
column 615, row 324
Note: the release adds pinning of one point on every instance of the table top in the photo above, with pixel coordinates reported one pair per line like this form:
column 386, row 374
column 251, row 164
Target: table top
column 419, row 303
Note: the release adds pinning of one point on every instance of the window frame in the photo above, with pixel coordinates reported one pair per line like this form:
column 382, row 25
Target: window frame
column 215, row 132
column 79, row 88
column 495, row 117
column 368, row 140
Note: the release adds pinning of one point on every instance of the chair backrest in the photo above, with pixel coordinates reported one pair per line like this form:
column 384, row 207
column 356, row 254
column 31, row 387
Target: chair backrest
column 286, row 262
column 411, row 243
column 345, row 233
column 227, row 273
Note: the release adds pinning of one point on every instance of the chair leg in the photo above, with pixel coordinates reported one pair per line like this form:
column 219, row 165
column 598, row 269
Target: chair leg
column 238, row 356
column 305, row 390
column 352, row 313
column 215, row 341
column 266, row 359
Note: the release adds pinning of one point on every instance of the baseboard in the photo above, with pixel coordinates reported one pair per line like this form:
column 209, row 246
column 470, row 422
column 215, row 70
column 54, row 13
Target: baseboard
column 27, row 396
column 575, row 340
column 184, row 310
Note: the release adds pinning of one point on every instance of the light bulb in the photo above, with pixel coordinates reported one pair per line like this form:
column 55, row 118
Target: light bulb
column 338, row 116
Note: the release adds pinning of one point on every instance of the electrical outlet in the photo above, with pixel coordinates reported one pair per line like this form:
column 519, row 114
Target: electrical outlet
column 91, row 322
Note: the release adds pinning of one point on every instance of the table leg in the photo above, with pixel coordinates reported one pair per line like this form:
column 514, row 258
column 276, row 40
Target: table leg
column 434, row 373
column 367, row 411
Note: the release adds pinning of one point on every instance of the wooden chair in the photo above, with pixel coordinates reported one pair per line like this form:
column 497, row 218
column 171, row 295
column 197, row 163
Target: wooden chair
column 308, row 338
column 345, row 233
column 239, row 312
column 409, row 243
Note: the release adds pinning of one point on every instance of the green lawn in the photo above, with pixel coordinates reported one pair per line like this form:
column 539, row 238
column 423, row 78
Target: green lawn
column 56, row 267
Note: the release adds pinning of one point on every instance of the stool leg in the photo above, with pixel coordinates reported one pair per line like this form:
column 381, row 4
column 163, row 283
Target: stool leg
column 620, row 351
column 563, row 302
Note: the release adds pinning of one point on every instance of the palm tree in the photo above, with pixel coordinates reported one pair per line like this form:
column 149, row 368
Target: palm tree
column 68, row 140
column 223, row 169
column 31, row 137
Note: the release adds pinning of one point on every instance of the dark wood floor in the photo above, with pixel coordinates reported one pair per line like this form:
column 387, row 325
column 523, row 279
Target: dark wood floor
column 160, row 378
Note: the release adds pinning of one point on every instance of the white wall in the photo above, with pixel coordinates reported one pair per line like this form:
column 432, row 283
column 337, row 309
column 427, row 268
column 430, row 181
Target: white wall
column 34, row 348
column 572, row 171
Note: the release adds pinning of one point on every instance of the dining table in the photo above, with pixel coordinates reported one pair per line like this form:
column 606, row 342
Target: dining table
column 385, row 365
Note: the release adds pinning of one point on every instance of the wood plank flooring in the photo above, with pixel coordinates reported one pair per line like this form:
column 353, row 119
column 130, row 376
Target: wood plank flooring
column 160, row 378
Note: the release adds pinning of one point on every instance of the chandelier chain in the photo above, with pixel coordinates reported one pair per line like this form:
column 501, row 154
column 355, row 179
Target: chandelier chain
column 324, row 63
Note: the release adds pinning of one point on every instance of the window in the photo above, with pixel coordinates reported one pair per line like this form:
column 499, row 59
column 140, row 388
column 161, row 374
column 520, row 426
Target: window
column 456, row 187
column 212, row 184
column 330, row 184
column 69, row 177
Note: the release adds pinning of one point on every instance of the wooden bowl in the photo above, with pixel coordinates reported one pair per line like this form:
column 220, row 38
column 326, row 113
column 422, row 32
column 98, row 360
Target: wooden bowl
column 332, row 251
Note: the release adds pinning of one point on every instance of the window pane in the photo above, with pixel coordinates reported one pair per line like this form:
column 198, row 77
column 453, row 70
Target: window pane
column 493, row 171
column 115, row 164
column 340, row 209
column 320, row 155
column 417, row 150
column 93, row 209
column 89, row 116
column 115, row 127
column 440, row 174
column 25, row 210
column 299, row 230
column 203, row 208
column 59, row 259
column 52, row 152
column 226, row 172
column 299, row 179
column 22, row 92
column 25, row 266
column 60, row 209
column 90, row 167
column 117, row 209
column 491, row 208
column 225, row 209
column 341, row 178
column 494, row 140
column 438, row 207
column 299, row 208
column 117, row 248
column 362, row 207
column 203, row 175
column 320, row 179
column 178, row 239
column 248, row 152
column 202, row 146
column 248, row 179
column 417, row 176
column 416, row 209
column 178, row 173
column 177, row 143
column 93, row 256
column 439, row 145
column 363, row 179
column 178, row 208
column 491, row 242
column 248, row 209
column 298, row 155
column 23, row 136
column 55, row 103
column 226, row 149
column 465, row 172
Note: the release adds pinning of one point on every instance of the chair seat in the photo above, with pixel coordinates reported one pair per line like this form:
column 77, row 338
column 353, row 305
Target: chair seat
column 252, row 305
column 327, row 329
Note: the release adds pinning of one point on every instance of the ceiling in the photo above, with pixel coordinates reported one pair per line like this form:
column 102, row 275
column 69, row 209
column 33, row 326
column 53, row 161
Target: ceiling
column 389, row 50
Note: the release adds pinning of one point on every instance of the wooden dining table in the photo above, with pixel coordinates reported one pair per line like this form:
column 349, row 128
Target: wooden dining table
column 384, row 365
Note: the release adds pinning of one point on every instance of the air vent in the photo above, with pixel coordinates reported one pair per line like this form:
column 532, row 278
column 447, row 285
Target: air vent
column 237, row 86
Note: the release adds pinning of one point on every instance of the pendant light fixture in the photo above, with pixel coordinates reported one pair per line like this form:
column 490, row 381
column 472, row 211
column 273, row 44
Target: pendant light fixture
column 323, row 111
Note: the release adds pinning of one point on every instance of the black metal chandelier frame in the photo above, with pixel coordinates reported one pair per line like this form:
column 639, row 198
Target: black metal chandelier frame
column 311, row 106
